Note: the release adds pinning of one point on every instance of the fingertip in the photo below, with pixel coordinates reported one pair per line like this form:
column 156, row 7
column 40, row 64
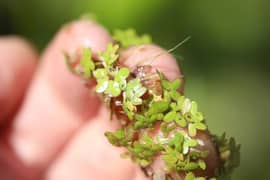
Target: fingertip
column 71, row 38
column 82, row 33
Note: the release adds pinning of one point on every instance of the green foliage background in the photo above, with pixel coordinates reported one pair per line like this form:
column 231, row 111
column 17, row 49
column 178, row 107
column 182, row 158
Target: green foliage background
column 226, row 62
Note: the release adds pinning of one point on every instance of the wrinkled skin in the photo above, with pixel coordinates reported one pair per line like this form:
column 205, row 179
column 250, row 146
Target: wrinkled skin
column 51, row 126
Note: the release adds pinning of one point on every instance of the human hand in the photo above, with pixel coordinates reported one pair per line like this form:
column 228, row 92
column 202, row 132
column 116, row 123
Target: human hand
column 52, row 126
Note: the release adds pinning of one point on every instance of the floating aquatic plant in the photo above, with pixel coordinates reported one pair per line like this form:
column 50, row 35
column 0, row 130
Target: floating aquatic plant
column 157, row 127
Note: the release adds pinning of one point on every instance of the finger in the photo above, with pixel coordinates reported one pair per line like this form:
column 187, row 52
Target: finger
column 57, row 102
column 17, row 64
column 89, row 155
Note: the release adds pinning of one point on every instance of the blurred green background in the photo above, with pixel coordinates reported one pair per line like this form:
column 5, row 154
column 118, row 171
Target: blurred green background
column 226, row 62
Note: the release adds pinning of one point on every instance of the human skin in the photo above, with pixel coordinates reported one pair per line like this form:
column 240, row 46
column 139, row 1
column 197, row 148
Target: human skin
column 51, row 125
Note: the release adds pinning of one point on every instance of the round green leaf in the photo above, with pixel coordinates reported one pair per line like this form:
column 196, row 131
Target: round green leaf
column 102, row 85
column 192, row 130
column 202, row 164
column 200, row 126
column 175, row 84
column 169, row 117
column 113, row 89
column 181, row 122
column 100, row 74
column 123, row 72
column 190, row 176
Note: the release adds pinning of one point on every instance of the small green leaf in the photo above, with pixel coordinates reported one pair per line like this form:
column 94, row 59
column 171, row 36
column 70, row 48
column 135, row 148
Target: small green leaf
column 159, row 116
column 192, row 130
column 123, row 72
column 113, row 89
column 190, row 176
column 86, row 62
column 139, row 91
column 190, row 166
column 186, row 106
column 177, row 141
column 118, row 138
column 139, row 124
column 129, row 37
column 139, row 117
column 173, row 106
column 137, row 87
column 175, row 84
column 171, row 158
column 191, row 142
column 171, row 86
column 169, row 117
column 187, row 144
column 200, row 126
column 166, row 128
column 194, row 107
column 120, row 76
column 109, row 56
column 165, row 83
column 143, row 121
column 196, row 116
column 198, row 154
column 180, row 101
column 136, row 101
column 134, row 91
column 102, row 85
column 100, row 73
column 175, row 95
column 132, row 84
column 148, row 140
column 202, row 164
column 158, row 107
column 201, row 178
column 181, row 122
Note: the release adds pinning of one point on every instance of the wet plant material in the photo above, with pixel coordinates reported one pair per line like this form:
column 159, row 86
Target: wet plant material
column 162, row 130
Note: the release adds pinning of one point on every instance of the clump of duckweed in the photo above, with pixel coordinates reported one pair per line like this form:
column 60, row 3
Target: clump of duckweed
column 158, row 122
